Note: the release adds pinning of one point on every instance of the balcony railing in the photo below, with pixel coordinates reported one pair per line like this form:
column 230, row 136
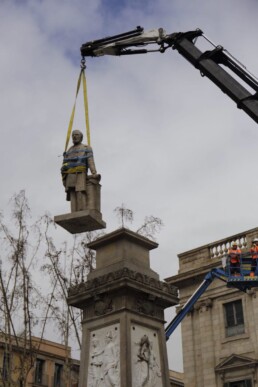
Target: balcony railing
column 220, row 248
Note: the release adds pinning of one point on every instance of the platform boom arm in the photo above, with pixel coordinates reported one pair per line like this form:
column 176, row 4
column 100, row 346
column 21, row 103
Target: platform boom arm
column 215, row 273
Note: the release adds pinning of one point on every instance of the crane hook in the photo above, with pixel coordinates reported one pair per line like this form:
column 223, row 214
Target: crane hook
column 83, row 61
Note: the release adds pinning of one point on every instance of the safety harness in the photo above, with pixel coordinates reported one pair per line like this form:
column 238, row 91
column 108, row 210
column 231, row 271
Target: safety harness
column 77, row 163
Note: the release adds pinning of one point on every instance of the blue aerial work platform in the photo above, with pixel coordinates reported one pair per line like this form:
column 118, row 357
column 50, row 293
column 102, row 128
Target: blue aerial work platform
column 242, row 281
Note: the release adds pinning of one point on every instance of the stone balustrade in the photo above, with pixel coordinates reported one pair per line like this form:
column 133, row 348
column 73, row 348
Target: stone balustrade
column 218, row 249
column 211, row 253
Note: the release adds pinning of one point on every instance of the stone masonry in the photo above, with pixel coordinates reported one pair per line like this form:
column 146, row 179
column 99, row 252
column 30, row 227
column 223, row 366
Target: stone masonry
column 123, row 302
column 211, row 356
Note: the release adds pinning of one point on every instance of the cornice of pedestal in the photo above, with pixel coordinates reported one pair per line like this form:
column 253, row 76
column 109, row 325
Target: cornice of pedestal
column 79, row 295
column 126, row 234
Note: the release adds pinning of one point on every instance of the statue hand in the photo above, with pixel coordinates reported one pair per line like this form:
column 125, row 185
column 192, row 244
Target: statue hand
column 96, row 176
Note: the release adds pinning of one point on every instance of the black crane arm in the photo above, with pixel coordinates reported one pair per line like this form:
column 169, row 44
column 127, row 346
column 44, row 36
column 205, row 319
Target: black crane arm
column 241, row 86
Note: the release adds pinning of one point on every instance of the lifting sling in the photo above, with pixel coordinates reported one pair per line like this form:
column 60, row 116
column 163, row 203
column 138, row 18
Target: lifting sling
column 82, row 78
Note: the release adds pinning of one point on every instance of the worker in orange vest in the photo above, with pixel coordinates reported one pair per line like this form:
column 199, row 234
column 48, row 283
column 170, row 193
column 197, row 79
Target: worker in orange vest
column 234, row 258
column 254, row 255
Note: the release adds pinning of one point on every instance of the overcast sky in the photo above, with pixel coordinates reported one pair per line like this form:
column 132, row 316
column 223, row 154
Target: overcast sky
column 167, row 142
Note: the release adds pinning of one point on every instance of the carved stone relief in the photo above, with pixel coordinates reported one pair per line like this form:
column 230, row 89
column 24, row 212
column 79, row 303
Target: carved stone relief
column 104, row 358
column 146, row 370
column 145, row 306
column 103, row 305
column 91, row 285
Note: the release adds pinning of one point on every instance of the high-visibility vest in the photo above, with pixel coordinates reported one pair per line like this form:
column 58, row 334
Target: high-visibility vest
column 234, row 255
column 254, row 252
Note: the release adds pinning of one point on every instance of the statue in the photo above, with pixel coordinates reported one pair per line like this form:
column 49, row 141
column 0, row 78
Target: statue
column 77, row 160
column 82, row 190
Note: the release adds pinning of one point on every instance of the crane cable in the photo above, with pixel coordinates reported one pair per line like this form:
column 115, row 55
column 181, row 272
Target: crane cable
column 82, row 78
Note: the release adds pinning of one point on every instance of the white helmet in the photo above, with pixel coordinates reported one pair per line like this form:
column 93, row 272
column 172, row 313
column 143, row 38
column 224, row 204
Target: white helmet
column 255, row 240
column 233, row 244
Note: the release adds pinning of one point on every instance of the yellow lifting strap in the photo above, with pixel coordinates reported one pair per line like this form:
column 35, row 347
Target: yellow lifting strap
column 82, row 78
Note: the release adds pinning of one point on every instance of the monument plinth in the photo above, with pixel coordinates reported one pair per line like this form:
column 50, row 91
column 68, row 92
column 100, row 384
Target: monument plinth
column 88, row 219
column 123, row 302
column 81, row 221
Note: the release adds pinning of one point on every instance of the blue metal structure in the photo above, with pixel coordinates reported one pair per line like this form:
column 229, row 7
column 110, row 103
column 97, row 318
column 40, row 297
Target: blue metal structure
column 243, row 281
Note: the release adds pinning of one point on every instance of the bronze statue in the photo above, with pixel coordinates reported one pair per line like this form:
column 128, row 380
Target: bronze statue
column 77, row 160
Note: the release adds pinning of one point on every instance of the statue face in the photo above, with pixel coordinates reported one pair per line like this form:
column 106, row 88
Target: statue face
column 77, row 137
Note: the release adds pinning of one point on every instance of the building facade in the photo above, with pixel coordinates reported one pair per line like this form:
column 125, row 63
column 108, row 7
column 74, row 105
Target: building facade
column 43, row 364
column 220, row 333
column 176, row 379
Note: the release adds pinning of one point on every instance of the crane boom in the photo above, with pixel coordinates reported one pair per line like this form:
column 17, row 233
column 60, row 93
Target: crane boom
column 216, row 64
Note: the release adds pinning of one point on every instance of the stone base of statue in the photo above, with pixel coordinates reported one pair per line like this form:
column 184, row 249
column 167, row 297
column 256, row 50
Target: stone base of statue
column 90, row 217
column 81, row 221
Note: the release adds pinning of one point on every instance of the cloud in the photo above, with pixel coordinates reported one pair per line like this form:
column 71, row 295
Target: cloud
column 166, row 141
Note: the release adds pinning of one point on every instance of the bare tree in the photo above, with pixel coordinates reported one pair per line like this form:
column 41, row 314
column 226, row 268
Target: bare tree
column 66, row 267
column 123, row 214
column 18, row 295
column 150, row 226
column 25, row 308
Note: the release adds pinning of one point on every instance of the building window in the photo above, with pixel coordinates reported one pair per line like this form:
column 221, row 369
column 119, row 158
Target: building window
column 58, row 375
column 234, row 318
column 39, row 371
column 240, row 383
column 6, row 366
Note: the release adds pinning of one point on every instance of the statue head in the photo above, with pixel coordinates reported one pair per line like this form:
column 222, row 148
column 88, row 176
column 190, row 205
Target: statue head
column 77, row 136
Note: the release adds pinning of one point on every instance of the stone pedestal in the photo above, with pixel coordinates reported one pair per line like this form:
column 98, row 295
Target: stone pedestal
column 80, row 221
column 123, row 302
column 89, row 219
